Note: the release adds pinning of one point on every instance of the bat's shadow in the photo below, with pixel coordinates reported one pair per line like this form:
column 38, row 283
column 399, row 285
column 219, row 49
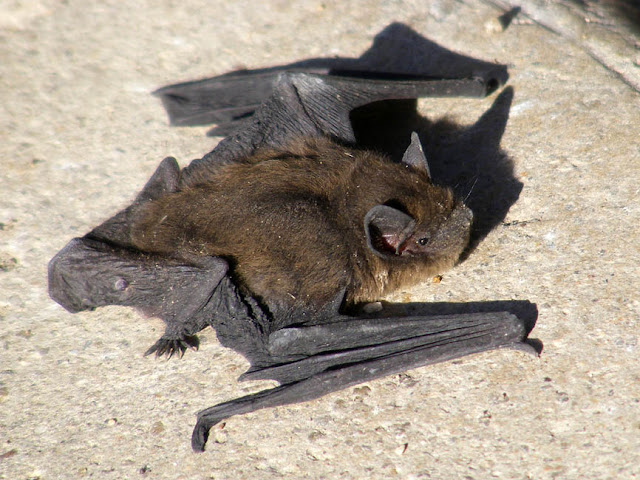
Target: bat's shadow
column 470, row 160
column 466, row 158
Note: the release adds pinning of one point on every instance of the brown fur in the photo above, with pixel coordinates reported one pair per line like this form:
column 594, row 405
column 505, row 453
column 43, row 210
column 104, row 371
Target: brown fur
column 290, row 223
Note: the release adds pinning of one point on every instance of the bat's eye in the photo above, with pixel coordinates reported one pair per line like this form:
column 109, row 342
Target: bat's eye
column 423, row 241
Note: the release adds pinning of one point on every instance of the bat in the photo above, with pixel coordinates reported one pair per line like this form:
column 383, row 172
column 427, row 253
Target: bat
column 281, row 234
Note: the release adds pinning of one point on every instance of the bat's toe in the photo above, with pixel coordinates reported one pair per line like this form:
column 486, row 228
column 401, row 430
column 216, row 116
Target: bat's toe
column 170, row 346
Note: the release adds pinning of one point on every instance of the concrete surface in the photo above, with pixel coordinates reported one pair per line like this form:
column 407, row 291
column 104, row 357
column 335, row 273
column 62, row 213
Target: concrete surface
column 81, row 135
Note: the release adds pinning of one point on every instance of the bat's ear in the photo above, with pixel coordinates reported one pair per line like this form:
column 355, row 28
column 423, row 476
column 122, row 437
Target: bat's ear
column 163, row 181
column 414, row 155
column 386, row 229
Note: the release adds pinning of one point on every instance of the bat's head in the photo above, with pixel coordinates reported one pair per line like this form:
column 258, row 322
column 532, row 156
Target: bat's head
column 438, row 232
column 424, row 224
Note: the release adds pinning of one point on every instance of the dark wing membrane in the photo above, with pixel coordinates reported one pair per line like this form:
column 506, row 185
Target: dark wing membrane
column 349, row 352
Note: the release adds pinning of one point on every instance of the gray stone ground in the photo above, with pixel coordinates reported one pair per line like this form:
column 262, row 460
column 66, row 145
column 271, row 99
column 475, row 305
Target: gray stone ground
column 81, row 135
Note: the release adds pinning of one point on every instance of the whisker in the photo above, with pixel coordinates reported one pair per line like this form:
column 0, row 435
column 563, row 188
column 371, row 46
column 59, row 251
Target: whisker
column 471, row 189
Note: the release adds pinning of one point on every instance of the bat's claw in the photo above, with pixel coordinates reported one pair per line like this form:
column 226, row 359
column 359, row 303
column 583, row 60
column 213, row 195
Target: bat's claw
column 169, row 346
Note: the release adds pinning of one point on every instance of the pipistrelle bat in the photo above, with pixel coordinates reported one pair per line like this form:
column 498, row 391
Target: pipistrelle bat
column 278, row 235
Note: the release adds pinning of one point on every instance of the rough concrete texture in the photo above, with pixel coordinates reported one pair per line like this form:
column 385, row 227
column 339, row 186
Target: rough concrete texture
column 81, row 135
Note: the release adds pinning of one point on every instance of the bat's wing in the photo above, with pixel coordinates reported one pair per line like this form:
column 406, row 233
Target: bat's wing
column 300, row 104
column 398, row 50
column 225, row 100
column 348, row 351
column 103, row 268
column 88, row 273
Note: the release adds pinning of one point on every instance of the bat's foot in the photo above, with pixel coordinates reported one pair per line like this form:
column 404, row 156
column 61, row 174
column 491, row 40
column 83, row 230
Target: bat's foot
column 170, row 346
